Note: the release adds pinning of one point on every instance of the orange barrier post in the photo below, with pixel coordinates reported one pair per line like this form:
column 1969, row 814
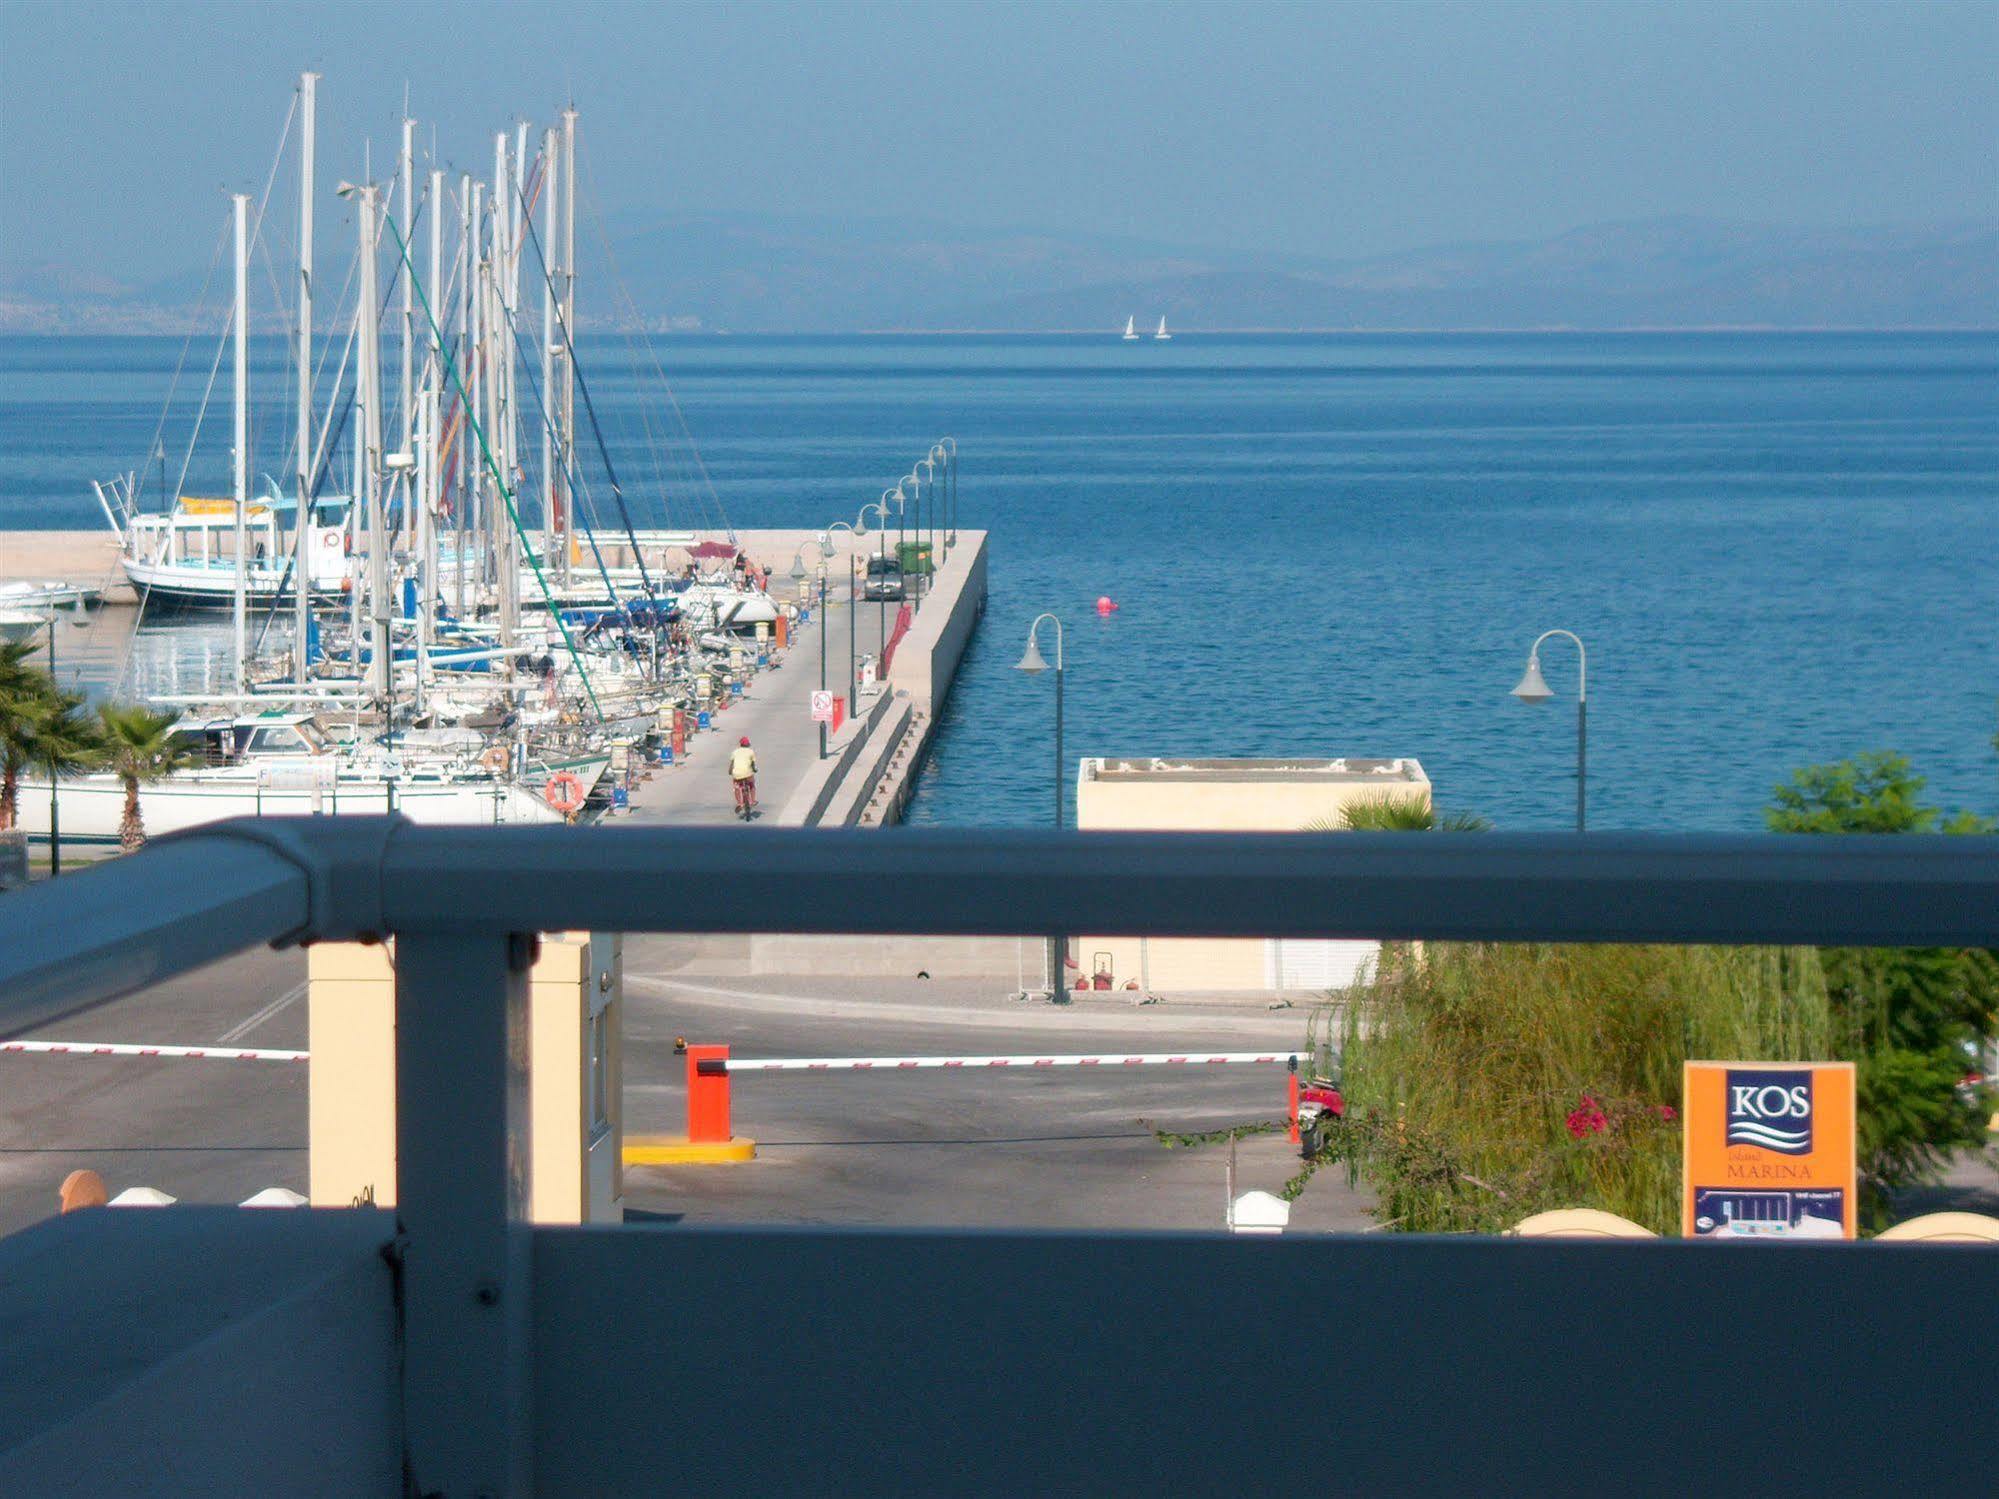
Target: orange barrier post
column 783, row 632
column 1291, row 1076
column 707, row 1095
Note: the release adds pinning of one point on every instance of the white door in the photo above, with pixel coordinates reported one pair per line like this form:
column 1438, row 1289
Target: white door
column 1316, row 965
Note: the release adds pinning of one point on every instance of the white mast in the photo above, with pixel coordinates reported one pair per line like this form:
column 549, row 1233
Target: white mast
column 468, row 259
column 500, row 435
column 242, row 432
column 370, row 390
column 405, row 394
column 551, row 526
column 568, row 403
column 301, row 541
column 426, row 532
column 433, row 448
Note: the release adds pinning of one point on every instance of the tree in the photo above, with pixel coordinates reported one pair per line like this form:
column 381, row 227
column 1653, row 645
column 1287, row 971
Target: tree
column 139, row 748
column 42, row 728
column 1910, row 1019
column 1399, row 814
column 23, row 689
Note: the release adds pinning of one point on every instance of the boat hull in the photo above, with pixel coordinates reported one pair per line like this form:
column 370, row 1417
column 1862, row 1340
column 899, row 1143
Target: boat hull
column 91, row 807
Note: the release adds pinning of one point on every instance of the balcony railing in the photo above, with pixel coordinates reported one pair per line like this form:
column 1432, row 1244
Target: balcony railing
column 591, row 1361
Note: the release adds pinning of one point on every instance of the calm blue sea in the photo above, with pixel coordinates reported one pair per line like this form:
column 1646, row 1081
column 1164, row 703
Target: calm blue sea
column 1778, row 548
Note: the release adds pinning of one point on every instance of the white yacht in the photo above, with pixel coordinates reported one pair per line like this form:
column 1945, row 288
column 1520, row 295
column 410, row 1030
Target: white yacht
column 285, row 764
column 1131, row 329
column 1162, row 335
column 185, row 558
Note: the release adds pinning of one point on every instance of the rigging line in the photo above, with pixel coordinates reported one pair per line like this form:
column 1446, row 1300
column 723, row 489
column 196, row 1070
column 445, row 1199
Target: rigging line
column 159, row 430
column 201, row 412
column 693, row 448
column 590, row 409
column 548, row 422
column 499, row 479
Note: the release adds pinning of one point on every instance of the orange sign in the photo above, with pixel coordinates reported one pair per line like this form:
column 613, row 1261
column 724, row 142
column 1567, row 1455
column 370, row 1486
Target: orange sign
column 1769, row 1150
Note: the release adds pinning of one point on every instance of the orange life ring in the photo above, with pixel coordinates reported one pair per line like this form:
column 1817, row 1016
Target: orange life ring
column 494, row 758
column 330, row 540
column 564, row 792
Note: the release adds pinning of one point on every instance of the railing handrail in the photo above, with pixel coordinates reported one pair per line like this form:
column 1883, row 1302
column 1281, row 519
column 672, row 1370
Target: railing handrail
column 192, row 898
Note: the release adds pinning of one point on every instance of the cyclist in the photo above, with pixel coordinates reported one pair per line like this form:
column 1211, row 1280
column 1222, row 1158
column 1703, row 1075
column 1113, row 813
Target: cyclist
column 743, row 773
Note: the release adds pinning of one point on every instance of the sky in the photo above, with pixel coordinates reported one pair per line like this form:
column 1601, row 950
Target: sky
column 1324, row 129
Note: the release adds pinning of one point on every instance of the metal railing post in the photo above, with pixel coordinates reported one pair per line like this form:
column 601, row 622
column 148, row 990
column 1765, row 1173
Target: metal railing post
column 462, row 1154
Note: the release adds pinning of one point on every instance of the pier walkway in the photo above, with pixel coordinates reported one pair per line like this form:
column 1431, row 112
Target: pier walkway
column 775, row 710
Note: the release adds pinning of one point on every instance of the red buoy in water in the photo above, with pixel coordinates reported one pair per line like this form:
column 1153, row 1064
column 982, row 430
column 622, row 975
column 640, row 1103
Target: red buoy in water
column 1106, row 605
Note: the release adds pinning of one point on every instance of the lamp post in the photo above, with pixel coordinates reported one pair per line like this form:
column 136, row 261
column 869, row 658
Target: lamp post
column 822, row 653
column 926, row 506
column 79, row 620
column 1533, row 688
column 1032, row 663
column 950, row 447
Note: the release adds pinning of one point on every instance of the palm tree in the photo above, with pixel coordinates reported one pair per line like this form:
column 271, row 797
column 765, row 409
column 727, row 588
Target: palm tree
column 1398, row 814
column 25, row 694
column 57, row 736
column 139, row 747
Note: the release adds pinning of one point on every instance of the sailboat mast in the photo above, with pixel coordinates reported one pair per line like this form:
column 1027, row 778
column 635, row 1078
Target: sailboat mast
column 405, row 392
column 301, row 541
column 551, row 518
column 380, row 665
column 242, row 319
column 568, row 404
column 468, row 473
column 432, row 439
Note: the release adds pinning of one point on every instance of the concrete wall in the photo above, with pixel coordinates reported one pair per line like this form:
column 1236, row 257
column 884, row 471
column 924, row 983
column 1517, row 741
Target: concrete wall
column 577, row 1174
column 1010, row 961
column 926, row 662
column 1222, row 796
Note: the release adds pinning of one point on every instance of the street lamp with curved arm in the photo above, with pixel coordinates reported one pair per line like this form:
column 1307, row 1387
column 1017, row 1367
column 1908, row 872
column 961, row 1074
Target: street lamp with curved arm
column 1534, row 689
column 1032, row 663
column 950, row 447
column 926, row 504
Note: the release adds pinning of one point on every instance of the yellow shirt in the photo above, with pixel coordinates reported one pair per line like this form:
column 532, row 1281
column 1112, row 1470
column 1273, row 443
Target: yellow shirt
column 742, row 763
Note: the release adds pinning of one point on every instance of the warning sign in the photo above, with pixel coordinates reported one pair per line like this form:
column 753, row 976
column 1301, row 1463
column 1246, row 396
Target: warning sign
column 822, row 707
column 1769, row 1150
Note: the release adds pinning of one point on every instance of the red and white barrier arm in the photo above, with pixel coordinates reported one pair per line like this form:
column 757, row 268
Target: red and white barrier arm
column 142, row 1049
column 897, row 1064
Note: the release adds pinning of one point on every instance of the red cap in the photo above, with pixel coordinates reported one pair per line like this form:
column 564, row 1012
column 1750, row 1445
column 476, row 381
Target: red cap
column 745, row 741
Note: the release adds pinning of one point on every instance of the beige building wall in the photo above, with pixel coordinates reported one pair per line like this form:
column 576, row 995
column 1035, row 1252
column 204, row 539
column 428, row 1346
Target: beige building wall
column 575, row 1077
column 1241, row 796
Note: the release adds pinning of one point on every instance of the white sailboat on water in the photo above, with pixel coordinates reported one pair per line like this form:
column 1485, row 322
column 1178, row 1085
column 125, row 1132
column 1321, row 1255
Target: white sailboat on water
column 1131, row 329
column 1162, row 335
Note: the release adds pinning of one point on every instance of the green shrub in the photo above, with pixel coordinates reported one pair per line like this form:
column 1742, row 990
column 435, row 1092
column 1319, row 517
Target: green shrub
column 1489, row 1082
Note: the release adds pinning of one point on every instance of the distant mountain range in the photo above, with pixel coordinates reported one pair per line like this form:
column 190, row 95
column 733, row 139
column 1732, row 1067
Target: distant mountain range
column 776, row 274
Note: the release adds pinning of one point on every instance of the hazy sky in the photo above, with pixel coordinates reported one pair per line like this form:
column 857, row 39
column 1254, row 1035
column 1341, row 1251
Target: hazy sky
column 1328, row 129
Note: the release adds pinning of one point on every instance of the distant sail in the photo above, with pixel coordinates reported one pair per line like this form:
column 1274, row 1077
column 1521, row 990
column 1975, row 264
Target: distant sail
column 1162, row 333
column 1131, row 327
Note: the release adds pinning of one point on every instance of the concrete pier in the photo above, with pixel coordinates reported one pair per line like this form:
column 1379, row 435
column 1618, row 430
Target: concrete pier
column 88, row 559
column 871, row 759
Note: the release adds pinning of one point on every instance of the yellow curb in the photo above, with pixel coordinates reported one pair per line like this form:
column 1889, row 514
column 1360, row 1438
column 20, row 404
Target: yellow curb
column 678, row 1150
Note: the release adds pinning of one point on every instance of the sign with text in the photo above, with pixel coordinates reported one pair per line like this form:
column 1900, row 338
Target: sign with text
column 1769, row 1150
column 822, row 707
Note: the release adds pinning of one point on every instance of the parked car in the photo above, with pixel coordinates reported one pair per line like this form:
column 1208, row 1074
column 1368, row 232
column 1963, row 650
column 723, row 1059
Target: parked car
column 885, row 580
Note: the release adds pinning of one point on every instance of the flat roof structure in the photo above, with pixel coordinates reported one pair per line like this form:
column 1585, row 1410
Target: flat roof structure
column 1343, row 770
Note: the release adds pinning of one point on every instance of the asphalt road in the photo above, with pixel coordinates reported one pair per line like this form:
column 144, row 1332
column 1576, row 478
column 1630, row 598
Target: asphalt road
column 1060, row 1148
